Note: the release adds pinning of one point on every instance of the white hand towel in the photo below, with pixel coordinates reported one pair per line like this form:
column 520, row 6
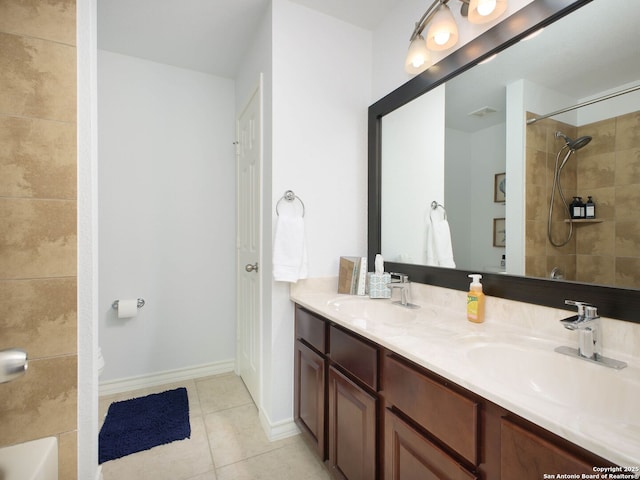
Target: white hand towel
column 439, row 249
column 289, row 249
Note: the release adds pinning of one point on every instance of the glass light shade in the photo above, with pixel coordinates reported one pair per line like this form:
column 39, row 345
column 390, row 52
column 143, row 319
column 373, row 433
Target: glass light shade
column 418, row 57
column 443, row 31
column 483, row 11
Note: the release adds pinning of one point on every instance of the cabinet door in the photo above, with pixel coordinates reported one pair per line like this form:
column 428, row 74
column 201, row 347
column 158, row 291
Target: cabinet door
column 527, row 456
column 352, row 429
column 410, row 456
column 309, row 395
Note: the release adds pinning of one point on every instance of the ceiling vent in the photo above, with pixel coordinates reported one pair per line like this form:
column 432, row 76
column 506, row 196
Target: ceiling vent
column 481, row 112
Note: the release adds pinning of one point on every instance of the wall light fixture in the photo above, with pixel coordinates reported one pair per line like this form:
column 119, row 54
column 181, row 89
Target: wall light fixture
column 442, row 33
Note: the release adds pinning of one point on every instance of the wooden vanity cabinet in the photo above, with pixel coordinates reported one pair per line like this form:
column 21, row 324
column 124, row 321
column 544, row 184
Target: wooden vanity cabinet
column 352, row 406
column 436, row 429
column 310, row 369
column 371, row 413
column 335, row 397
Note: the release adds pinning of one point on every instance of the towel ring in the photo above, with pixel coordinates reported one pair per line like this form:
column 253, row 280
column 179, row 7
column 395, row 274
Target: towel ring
column 434, row 206
column 289, row 196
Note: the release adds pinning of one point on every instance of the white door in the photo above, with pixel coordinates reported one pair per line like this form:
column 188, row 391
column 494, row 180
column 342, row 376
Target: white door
column 249, row 152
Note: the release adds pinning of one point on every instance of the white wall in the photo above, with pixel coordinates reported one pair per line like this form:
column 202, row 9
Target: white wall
column 487, row 159
column 321, row 77
column 473, row 159
column 458, row 179
column 167, row 216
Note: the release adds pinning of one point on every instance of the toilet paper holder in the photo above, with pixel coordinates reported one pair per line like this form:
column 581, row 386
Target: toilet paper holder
column 115, row 304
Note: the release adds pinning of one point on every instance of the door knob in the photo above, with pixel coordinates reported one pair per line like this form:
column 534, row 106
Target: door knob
column 251, row 268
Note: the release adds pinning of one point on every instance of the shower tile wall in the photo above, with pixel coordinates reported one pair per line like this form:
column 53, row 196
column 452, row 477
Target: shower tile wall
column 540, row 256
column 38, row 222
column 608, row 168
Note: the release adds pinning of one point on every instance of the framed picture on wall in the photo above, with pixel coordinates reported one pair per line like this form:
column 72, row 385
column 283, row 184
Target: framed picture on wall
column 499, row 232
column 500, row 188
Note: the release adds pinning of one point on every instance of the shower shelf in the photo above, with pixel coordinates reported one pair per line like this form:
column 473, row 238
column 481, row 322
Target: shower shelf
column 585, row 220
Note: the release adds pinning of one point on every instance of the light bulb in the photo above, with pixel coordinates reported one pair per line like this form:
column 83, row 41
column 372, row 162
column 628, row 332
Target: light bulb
column 443, row 31
column 418, row 57
column 486, row 7
column 484, row 11
column 441, row 37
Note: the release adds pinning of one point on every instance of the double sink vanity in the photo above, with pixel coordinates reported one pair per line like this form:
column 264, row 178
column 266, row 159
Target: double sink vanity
column 387, row 392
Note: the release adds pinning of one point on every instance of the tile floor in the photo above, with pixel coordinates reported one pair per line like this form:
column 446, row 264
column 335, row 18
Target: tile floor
column 227, row 441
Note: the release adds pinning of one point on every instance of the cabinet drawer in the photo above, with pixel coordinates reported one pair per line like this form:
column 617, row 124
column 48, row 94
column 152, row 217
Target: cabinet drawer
column 311, row 329
column 410, row 456
column 355, row 355
column 446, row 414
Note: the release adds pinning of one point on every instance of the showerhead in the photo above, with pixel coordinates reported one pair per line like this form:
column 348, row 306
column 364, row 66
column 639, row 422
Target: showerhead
column 576, row 144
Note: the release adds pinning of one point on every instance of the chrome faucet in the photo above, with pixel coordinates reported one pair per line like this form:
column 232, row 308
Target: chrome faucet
column 587, row 324
column 401, row 282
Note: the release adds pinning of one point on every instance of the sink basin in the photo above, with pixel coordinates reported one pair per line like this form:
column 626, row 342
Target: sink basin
column 376, row 316
column 376, row 310
column 543, row 375
column 384, row 318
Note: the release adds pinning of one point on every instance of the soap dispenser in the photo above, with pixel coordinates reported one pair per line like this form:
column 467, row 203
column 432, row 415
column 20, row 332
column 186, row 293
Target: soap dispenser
column 577, row 208
column 475, row 300
column 590, row 208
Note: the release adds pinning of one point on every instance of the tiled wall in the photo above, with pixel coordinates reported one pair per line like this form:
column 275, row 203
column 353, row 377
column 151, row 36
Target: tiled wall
column 38, row 221
column 608, row 168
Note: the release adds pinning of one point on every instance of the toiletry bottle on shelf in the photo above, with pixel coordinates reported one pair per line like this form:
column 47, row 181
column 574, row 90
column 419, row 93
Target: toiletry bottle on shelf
column 574, row 208
column 590, row 208
column 582, row 207
column 475, row 300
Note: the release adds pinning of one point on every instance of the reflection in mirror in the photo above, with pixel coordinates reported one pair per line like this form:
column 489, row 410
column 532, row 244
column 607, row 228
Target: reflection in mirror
column 485, row 134
column 413, row 166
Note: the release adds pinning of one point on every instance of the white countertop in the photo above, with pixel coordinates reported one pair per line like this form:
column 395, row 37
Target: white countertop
column 511, row 363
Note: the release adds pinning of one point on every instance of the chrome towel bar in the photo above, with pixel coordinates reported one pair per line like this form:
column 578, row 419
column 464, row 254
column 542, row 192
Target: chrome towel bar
column 434, row 206
column 289, row 196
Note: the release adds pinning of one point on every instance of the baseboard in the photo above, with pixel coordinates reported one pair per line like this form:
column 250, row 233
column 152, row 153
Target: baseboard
column 279, row 430
column 170, row 376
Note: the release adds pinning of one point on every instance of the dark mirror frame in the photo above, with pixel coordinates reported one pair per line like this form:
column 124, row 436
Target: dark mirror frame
column 623, row 304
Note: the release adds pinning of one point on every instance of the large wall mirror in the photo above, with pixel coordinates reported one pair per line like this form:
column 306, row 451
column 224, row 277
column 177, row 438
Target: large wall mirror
column 455, row 133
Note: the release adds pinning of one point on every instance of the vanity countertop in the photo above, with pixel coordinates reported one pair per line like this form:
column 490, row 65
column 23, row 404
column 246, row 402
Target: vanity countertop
column 512, row 364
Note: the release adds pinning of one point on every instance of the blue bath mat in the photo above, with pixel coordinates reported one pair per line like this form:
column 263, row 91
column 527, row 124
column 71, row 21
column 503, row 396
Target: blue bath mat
column 142, row 423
